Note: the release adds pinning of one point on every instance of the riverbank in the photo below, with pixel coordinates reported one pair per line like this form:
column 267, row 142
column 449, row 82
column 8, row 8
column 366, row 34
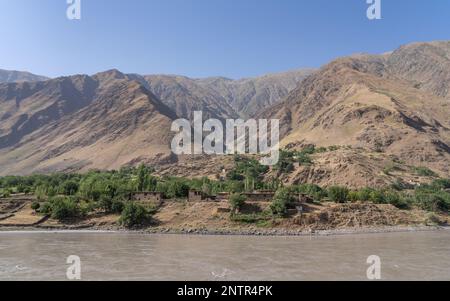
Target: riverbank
column 214, row 218
column 227, row 232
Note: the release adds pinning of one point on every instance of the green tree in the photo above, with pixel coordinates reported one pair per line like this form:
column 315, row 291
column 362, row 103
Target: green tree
column 142, row 177
column 133, row 215
column 282, row 200
column 237, row 201
column 69, row 187
column 63, row 208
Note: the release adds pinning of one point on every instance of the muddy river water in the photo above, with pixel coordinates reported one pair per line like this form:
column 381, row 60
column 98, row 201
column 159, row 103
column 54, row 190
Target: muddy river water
column 127, row 256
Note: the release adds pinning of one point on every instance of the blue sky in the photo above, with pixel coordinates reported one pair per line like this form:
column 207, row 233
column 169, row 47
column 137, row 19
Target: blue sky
column 199, row 38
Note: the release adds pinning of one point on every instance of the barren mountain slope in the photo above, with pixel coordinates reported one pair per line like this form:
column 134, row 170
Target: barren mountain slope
column 249, row 96
column 370, row 103
column 104, row 122
column 185, row 95
column 7, row 76
column 425, row 65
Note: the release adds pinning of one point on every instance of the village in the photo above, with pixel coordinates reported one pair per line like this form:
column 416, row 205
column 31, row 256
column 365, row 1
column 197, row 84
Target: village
column 16, row 211
column 261, row 196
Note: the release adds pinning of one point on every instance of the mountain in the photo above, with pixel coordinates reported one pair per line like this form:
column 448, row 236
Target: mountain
column 185, row 95
column 81, row 122
column 110, row 119
column 387, row 110
column 220, row 97
column 7, row 76
column 251, row 95
column 380, row 119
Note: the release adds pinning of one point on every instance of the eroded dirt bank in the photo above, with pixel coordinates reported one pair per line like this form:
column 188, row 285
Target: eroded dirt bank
column 215, row 218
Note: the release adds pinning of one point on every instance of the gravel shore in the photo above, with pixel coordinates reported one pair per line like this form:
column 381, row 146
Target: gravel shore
column 233, row 232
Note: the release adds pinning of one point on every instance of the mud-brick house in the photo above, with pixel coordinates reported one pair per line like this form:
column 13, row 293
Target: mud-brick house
column 260, row 196
column 223, row 196
column 147, row 197
column 199, row 196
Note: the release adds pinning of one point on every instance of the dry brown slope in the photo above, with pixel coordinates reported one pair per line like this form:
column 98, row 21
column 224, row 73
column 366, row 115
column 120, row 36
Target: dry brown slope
column 360, row 101
column 121, row 123
column 249, row 96
column 185, row 95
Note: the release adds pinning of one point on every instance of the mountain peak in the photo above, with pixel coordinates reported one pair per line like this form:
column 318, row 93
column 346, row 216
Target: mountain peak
column 10, row 76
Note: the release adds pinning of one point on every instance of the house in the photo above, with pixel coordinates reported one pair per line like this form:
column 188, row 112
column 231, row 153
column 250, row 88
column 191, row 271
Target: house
column 199, row 196
column 260, row 196
column 223, row 196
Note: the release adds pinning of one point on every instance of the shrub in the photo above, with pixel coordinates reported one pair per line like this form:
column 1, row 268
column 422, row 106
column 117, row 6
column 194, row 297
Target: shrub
column 133, row 215
column 393, row 198
column 424, row 172
column 105, row 203
column 334, row 148
column 236, row 202
column 312, row 190
column 117, row 206
column 321, row 150
column 364, row 194
column 35, row 206
column 6, row 193
column 377, row 197
column 282, row 200
column 338, row 194
column 441, row 184
column 433, row 201
column 304, row 159
column 353, row 196
column 253, row 218
column 63, row 208
column 69, row 188
column 45, row 209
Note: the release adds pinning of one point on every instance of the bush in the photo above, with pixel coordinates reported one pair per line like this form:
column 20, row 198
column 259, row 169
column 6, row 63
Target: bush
column 433, row 201
column 377, row 197
column 6, row 193
column 304, row 159
column 441, row 184
column 106, row 203
column 424, row 172
column 282, row 200
column 338, row 194
column 45, row 209
column 393, row 198
column 133, row 215
column 254, row 218
column 311, row 190
column 69, row 188
column 35, row 206
column 236, row 202
column 117, row 206
column 364, row 194
column 63, row 208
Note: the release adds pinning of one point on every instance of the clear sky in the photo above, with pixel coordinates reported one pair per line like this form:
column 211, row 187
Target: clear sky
column 199, row 38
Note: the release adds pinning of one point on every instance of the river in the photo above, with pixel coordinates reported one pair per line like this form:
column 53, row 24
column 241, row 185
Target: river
column 128, row 256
